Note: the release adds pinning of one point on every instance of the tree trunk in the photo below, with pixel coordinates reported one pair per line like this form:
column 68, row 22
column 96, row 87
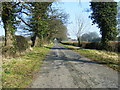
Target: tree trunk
column 104, row 41
column 9, row 39
column 105, row 45
column 79, row 42
column 35, row 41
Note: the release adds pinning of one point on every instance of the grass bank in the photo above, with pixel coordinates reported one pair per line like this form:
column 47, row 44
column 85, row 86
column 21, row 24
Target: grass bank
column 105, row 57
column 18, row 72
column 69, row 41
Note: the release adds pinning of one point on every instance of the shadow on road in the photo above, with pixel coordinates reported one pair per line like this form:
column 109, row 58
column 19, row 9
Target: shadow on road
column 62, row 57
column 54, row 47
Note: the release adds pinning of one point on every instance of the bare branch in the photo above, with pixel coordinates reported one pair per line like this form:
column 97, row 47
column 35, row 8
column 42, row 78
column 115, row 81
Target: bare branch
column 16, row 4
column 24, row 21
column 26, row 13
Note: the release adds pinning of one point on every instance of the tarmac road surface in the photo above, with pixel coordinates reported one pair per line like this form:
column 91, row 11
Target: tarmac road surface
column 64, row 68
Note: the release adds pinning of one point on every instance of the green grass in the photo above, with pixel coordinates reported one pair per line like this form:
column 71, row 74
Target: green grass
column 18, row 72
column 69, row 41
column 106, row 57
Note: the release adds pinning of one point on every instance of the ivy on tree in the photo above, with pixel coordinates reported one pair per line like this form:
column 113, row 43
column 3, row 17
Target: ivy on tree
column 104, row 14
column 9, row 21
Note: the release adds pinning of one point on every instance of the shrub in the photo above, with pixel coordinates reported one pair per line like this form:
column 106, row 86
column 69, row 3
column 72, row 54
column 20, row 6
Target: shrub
column 83, row 44
column 93, row 45
column 8, row 51
column 112, row 46
column 118, row 46
column 21, row 43
column 75, row 44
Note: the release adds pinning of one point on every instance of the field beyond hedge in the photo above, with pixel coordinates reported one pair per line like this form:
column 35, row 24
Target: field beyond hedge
column 18, row 72
column 104, row 57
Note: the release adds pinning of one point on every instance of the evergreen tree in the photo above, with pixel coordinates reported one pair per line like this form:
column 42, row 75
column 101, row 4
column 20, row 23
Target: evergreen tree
column 39, row 25
column 104, row 14
column 9, row 10
column 118, row 17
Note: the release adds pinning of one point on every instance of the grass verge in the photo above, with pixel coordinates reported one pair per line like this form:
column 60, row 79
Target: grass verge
column 69, row 41
column 18, row 72
column 104, row 57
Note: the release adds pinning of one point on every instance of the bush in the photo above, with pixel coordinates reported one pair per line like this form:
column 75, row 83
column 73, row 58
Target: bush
column 8, row 51
column 83, row 44
column 118, row 46
column 93, row 45
column 21, row 43
column 113, row 45
column 75, row 44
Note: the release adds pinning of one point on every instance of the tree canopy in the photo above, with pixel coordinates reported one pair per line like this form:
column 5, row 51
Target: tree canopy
column 104, row 14
column 39, row 18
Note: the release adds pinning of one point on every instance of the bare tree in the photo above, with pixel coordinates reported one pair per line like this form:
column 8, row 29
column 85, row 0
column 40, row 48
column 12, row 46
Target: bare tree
column 81, row 26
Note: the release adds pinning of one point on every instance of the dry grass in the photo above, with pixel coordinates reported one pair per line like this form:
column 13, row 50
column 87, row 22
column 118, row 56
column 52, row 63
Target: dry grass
column 1, row 43
column 106, row 57
column 69, row 41
column 18, row 72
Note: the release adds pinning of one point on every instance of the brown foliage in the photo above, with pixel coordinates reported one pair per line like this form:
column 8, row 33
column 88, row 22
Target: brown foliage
column 112, row 46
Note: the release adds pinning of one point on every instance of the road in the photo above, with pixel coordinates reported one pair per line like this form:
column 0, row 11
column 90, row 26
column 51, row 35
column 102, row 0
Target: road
column 64, row 68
